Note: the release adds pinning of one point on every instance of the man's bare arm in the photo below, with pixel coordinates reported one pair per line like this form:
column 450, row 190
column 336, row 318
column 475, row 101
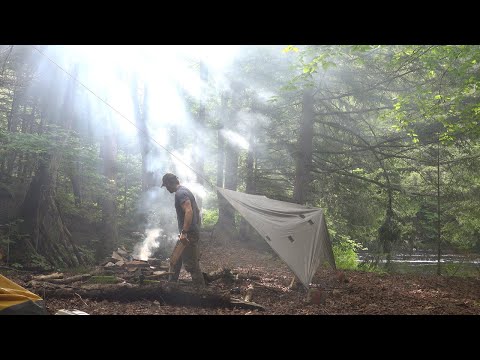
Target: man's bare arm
column 187, row 221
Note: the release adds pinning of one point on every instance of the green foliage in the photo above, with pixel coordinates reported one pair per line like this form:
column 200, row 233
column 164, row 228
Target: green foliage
column 209, row 218
column 379, row 114
column 88, row 254
column 9, row 235
column 38, row 263
column 389, row 233
column 345, row 252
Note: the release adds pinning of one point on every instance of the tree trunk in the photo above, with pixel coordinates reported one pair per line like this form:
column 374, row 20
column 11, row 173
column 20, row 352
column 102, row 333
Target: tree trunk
column 224, row 217
column 225, row 228
column 42, row 216
column 12, row 128
column 246, row 232
column 109, row 236
column 305, row 146
column 141, row 123
column 43, row 220
column 439, row 224
column 76, row 183
column 221, row 148
column 200, row 161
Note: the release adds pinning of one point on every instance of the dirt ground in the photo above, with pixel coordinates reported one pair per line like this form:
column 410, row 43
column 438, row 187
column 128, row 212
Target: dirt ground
column 344, row 292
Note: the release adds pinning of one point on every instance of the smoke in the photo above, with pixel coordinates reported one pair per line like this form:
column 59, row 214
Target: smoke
column 164, row 74
column 145, row 249
column 154, row 238
column 157, row 204
column 235, row 139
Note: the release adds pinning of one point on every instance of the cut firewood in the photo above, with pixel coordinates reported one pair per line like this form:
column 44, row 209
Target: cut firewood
column 242, row 276
column 48, row 277
column 39, row 286
column 137, row 263
column 70, row 280
column 122, row 252
column 154, row 262
column 159, row 274
column 117, row 257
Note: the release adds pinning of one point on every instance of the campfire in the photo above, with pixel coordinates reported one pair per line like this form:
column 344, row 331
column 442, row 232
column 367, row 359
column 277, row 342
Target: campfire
column 123, row 265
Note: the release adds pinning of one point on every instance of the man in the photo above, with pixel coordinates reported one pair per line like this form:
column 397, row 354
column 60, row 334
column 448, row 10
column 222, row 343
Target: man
column 188, row 217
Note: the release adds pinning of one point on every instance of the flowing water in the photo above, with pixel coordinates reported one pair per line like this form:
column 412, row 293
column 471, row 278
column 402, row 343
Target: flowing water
column 426, row 263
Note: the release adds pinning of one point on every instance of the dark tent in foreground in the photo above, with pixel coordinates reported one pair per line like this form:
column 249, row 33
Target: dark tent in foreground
column 16, row 300
column 297, row 233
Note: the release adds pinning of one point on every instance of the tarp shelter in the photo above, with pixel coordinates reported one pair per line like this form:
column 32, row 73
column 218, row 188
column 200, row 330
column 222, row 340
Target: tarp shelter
column 16, row 300
column 297, row 233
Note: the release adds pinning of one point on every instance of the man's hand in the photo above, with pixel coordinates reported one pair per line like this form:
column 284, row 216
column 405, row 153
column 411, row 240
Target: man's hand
column 183, row 238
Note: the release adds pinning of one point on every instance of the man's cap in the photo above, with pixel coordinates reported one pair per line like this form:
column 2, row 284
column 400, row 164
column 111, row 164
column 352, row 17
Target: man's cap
column 168, row 178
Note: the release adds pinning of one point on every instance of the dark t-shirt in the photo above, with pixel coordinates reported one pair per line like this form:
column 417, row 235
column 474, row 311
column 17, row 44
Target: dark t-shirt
column 181, row 195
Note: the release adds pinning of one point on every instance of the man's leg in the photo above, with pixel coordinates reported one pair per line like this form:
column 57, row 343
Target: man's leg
column 190, row 258
column 176, row 270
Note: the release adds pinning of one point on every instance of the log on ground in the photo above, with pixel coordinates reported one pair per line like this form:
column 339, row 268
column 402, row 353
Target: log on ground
column 172, row 294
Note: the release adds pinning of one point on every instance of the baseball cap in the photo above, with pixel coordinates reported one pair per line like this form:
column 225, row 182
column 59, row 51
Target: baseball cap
column 167, row 178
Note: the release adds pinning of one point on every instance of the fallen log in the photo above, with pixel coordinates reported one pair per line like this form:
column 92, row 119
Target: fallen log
column 158, row 275
column 246, row 304
column 167, row 293
column 48, row 277
column 70, row 280
column 242, row 276
column 224, row 274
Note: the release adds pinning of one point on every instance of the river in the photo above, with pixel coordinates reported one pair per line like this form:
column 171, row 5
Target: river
column 426, row 263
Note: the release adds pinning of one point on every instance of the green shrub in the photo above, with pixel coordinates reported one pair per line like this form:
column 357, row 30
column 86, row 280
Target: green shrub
column 209, row 218
column 345, row 252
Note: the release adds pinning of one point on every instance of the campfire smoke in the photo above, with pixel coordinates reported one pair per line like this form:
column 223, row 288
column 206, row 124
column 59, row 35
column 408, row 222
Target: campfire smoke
column 152, row 241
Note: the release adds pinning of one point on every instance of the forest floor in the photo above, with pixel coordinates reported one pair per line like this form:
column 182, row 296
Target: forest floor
column 347, row 292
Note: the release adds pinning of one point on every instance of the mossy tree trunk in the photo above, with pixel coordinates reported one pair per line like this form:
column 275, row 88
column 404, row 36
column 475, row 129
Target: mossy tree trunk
column 49, row 236
column 43, row 221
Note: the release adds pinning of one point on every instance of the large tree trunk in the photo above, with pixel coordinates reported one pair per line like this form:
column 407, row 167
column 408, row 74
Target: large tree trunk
column 43, row 220
column 42, row 216
column 305, row 147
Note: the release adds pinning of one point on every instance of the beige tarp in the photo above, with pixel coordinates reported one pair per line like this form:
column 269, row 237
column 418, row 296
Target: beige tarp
column 297, row 233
